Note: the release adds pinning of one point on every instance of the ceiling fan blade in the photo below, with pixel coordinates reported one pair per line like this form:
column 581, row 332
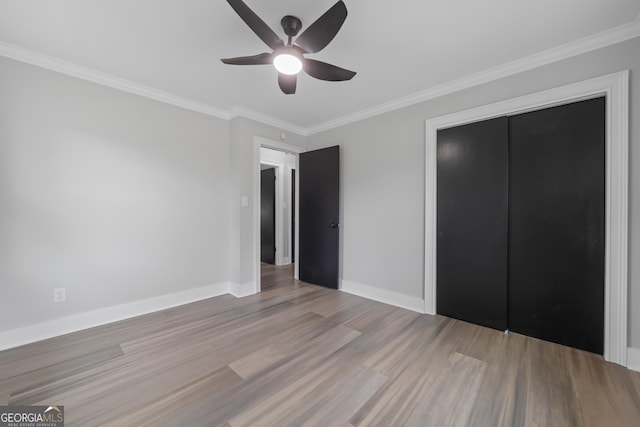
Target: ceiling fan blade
column 318, row 35
column 287, row 83
column 260, row 59
column 254, row 22
column 323, row 71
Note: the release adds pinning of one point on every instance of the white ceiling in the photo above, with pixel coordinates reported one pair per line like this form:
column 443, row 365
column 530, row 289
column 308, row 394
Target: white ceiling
column 398, row 48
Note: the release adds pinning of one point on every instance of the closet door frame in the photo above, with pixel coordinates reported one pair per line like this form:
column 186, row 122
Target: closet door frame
column 615, row 87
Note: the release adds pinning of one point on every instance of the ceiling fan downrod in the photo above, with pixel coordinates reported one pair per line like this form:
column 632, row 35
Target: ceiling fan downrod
column 291, row 26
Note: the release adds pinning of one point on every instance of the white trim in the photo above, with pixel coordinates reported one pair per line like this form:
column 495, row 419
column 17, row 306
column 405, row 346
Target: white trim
column 606, row 38
column 633, row 359
column 77, row 322
column 242, row 290
column 597, row 41
column 104, row 79
column 239, row 111
column 382, row 295
column 296, row 254
column 258, row 142
column 616, row 88
column 290, row 209
column 280, row 146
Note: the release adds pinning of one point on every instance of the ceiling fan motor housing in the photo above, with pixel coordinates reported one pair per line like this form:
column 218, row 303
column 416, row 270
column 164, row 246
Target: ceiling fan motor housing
column 291, row 25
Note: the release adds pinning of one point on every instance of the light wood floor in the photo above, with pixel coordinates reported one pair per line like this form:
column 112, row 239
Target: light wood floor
column 302, row 355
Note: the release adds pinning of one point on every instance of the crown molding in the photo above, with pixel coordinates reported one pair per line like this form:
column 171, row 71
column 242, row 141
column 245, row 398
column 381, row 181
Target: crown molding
column 104, row 79
column 239, row 111
column 606, row 38
column 603, row 39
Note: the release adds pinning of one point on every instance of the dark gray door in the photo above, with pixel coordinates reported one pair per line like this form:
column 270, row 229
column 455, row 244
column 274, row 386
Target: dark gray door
column 319, row 216
column 557, row 224
column 268, row 216
column 472, row 197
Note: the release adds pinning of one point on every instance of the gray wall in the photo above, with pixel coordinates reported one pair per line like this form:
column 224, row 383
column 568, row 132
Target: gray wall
column 113, row 196
column 383, row 173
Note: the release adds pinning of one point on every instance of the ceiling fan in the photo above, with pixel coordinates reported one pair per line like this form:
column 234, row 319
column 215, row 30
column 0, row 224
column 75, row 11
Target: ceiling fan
column 289, row 58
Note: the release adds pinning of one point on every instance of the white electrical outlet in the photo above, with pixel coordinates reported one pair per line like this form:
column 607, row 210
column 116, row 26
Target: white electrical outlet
column 59, row 295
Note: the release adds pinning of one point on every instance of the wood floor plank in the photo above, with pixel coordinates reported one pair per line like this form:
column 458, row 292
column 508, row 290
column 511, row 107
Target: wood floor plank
column 505, row 385
column 130, row 383
column 307, row 402
column 298, row 354
column 415, row 374
column 44, row 383
column 329, row 304
column 451, row 397
column 479, row 341
column 297, row 337
column 381, row 313
column 315, row 363
column 178, row 401
column 608, row 394
column 340, row 401
column 236, row 326
column 409, row 342
column 551, row 399
column 393, row 404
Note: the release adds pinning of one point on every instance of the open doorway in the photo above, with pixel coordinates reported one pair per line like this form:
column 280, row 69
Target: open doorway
column 283, row 160
column 276, row 206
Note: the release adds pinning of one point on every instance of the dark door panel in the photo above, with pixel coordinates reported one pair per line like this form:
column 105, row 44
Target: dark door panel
column 268, row 216
column 319, row 216
column 472, row 204
column 557, row 224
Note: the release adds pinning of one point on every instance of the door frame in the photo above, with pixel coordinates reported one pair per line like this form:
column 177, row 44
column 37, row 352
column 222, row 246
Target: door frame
column 615, row 87
column 287, row 148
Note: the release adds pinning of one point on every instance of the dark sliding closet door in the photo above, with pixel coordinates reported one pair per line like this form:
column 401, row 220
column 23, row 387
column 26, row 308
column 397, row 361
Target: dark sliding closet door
column 521, row 223
column 472, row 222
column 557, row 224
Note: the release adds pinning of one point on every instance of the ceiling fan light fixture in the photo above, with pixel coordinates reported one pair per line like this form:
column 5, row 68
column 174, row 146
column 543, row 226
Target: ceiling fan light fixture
column 287, row 63
column 288, row 57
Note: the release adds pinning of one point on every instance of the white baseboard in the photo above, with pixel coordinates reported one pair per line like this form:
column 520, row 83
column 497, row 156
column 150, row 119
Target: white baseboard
column 77, row 322
column 242, row 290
column 381, row 295
column 633, row 359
